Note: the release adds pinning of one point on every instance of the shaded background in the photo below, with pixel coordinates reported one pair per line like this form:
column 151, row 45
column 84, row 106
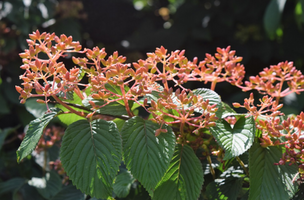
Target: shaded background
column 262, row 32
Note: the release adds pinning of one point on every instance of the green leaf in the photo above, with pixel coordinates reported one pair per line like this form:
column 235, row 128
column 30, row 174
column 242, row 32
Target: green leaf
column 71, row 117
column 47, row 186
column 147, row 156
column 235, row 141
column 69, row 193
column 90, row 154
column 184, row 177
column 267, row 180
column 119, row 123
column 36, row 109
column 154, row 95
column 225, row 110
column 11, row 185
column 123, row 183
column 212, row 96
column 272, row 16
column 115, row 89
column 228, row 188
column 113, row 108
column 34, row 133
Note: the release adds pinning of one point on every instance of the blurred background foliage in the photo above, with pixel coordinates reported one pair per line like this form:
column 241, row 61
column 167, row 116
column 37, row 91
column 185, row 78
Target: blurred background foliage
column 263, row 32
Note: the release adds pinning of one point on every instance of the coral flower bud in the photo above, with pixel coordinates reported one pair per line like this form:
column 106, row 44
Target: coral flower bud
column 22, row 101
column 47, row 87
column 146, row 102
column 75, row 60
column 19, row 89
column 40, row 101
column 236, row 105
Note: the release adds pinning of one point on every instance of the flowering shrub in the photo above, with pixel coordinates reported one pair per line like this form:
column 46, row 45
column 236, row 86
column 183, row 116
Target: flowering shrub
column 172, row 151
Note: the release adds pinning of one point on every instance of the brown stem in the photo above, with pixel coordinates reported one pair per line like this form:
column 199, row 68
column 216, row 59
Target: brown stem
column 100, row 116
column 78, row 92
column 210, row 166
column 73, row 105
column 243, row 166
column 277, row 101
column 82, row 114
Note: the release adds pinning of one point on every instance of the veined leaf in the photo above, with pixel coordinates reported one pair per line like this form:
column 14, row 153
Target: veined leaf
column 235, row 141
column 34, row 133
column 154, row 95
column 267, row 180
column 212, row 96
column 145, row 155
column 119, row 123
column 224, row 111
column 70, row 117
column 91, row 154
column 184, row 177
column 123, row 183
column 115, row 88
column 113, row 108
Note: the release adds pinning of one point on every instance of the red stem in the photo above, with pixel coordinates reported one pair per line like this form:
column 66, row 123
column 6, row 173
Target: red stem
column 82, row 114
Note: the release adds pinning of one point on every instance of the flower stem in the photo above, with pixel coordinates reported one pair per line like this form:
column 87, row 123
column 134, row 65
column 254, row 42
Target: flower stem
column 213, row 84
column 210, row 166
column 243, row 166
column 82, row 114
